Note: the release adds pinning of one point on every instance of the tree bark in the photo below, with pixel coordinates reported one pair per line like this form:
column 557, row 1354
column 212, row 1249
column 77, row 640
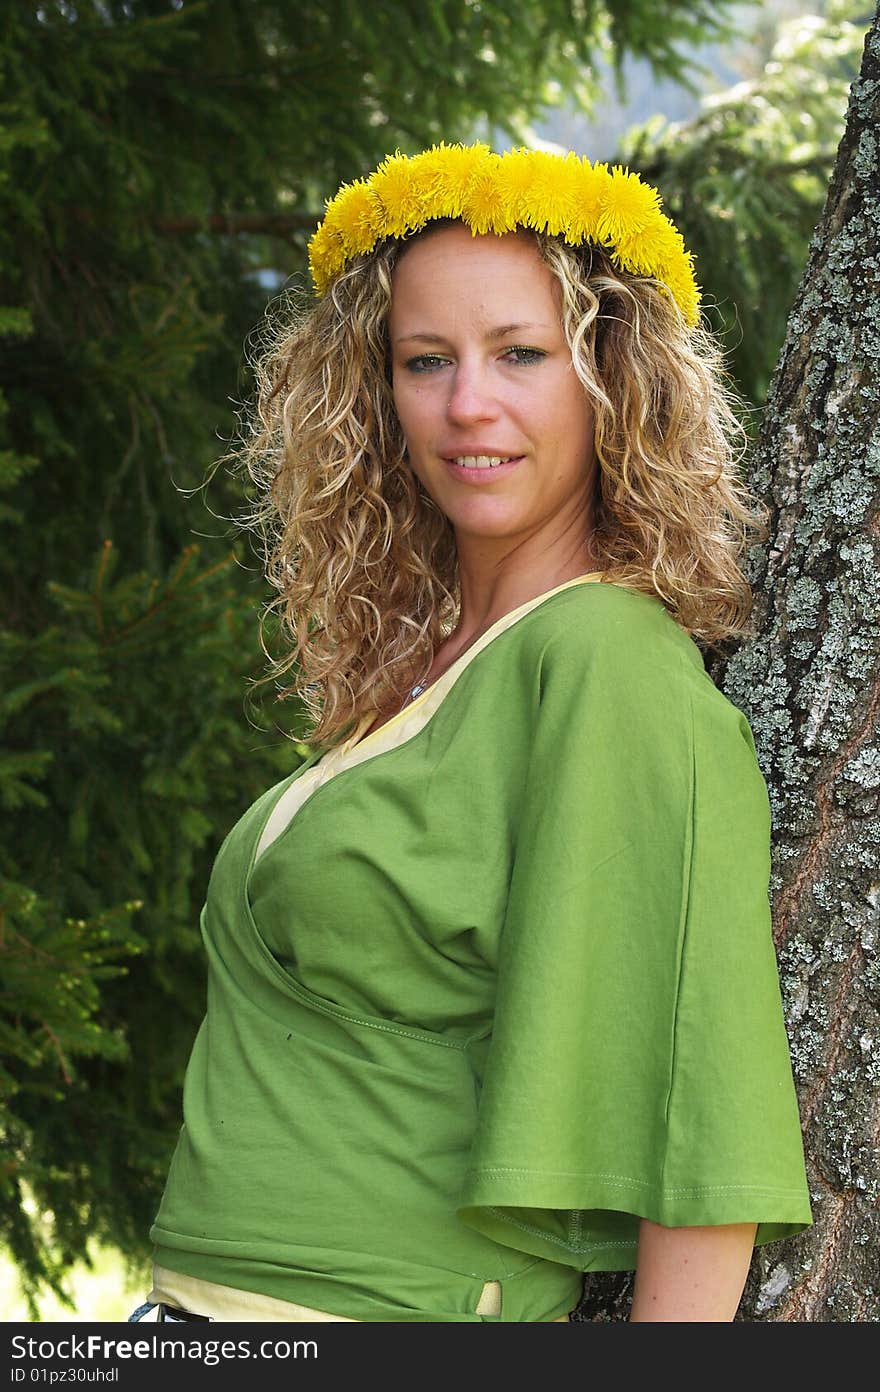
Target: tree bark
column 809, row 684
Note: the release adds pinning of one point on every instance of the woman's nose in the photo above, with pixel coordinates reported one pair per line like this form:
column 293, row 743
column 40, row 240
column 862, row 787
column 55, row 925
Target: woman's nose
column 472, row 397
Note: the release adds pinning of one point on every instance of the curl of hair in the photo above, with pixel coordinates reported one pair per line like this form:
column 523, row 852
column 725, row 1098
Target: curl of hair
column 364, row 563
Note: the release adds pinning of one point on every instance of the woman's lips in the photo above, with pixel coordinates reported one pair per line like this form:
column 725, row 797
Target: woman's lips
column 478, row 476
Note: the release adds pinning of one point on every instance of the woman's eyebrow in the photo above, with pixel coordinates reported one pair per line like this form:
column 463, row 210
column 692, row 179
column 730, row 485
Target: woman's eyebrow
column 500, row 332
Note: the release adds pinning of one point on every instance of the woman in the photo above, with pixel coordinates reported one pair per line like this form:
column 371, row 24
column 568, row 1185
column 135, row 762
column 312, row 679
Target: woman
column 493, row 1000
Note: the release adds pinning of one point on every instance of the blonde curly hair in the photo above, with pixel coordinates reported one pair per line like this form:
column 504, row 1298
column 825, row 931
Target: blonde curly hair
column 363, row 561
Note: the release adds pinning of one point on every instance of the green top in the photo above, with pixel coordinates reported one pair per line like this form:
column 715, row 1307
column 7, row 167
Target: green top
column 496, row 990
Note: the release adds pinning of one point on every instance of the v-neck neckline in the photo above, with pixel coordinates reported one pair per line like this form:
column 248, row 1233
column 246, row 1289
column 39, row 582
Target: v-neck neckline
column 357, row 738
column 399, row 730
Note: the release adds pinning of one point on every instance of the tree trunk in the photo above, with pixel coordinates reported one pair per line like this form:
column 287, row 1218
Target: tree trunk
column 809, row 683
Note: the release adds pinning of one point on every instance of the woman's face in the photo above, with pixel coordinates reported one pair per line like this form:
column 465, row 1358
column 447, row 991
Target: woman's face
column 481, row 368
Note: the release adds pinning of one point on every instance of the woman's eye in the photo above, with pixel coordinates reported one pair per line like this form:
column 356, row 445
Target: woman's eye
column 525, row 355
column 430, row 362
column 425, row 362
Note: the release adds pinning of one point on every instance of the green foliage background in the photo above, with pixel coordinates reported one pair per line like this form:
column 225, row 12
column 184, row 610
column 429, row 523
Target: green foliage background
column 158, row 159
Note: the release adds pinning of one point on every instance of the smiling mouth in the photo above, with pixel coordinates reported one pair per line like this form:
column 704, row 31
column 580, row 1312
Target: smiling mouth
column 482, row 461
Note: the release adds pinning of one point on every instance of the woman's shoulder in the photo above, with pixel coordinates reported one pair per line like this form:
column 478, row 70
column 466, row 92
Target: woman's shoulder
column 621, row 629
column 606, row 646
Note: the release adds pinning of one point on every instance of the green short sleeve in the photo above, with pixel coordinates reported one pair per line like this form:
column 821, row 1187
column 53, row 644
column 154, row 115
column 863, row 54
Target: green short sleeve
column 639, row 1063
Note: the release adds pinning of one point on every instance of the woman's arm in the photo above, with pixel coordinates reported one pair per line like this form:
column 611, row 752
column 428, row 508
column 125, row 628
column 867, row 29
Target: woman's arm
column 691, row 1273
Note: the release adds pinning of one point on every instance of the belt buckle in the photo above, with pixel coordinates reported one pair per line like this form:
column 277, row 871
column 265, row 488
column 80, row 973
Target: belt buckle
column 171, row 1314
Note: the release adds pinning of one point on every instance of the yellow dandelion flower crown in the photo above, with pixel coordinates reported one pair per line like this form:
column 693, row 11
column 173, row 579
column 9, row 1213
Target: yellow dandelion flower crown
column 564, row 195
